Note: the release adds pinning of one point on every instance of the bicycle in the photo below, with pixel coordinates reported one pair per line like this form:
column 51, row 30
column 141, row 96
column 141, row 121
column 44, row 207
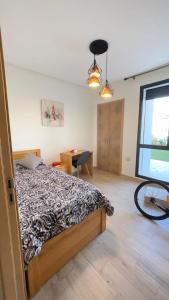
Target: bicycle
column 152, row 199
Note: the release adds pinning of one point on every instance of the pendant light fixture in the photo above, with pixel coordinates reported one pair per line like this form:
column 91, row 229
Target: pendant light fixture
column 95, row 70
column 106, row 90
column 97, row 47
column 94, row 75
column 93, row 82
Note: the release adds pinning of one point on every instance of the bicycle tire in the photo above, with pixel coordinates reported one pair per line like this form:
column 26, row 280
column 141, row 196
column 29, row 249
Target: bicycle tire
column 162, row 217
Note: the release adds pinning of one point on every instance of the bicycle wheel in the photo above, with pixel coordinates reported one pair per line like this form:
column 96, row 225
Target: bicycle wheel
column 151, row 198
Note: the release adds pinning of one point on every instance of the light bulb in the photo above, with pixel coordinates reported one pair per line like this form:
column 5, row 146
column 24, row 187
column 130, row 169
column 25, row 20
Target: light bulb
column 93, row 82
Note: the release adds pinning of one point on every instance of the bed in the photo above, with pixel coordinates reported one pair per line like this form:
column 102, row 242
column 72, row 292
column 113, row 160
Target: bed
column 59, row 214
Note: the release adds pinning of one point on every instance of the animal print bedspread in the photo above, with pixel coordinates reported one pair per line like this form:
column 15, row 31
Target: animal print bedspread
column 50, row 201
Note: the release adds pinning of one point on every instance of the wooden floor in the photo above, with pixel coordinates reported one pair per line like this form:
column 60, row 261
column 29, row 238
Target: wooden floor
column 129, row 261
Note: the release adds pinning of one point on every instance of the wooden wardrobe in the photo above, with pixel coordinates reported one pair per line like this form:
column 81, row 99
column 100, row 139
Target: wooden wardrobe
column 110, row 118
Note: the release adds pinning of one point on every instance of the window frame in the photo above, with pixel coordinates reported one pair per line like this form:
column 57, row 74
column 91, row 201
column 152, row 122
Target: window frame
column 147, row 146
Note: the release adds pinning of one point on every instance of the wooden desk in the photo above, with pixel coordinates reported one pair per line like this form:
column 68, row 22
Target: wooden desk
column 66, row 159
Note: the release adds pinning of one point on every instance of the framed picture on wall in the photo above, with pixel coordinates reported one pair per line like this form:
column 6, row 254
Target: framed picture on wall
column 52, row 113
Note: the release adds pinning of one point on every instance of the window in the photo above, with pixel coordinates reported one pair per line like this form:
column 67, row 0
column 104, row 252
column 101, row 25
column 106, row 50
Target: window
column 152, row 161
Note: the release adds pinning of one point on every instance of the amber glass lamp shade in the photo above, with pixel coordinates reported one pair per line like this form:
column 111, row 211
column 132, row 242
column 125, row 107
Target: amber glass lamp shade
column 93, row 82
column 106, row 91
column 94, row 71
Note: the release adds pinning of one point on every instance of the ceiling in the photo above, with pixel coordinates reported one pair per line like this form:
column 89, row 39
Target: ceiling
column 52, row 37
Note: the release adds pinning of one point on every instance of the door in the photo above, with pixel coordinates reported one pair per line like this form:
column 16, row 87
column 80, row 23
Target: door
column 12, row 280
column 103, row 120
column 110, row 136
column 153, row 134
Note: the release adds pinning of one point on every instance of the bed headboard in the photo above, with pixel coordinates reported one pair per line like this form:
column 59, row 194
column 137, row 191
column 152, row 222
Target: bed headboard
column 21, row 154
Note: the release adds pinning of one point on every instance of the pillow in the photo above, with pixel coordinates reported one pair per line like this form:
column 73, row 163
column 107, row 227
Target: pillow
column 30, row 161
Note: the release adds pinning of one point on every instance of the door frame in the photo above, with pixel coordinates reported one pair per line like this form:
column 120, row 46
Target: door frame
column 147, row 146
column 12, row 277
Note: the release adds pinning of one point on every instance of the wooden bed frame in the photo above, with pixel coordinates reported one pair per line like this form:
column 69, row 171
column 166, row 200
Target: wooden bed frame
column 21, row 154
column 57, row 251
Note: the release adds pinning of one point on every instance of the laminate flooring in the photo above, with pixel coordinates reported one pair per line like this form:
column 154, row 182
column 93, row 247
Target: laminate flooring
column 129, row 261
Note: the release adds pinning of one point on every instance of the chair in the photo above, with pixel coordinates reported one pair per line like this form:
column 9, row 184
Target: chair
column 82, row 161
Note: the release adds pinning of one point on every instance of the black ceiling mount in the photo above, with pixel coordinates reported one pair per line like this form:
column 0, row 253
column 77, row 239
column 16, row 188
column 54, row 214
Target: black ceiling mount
column 98, row 47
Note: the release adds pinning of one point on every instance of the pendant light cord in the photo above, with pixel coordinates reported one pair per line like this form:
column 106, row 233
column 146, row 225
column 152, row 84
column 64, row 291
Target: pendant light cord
column 106, row 64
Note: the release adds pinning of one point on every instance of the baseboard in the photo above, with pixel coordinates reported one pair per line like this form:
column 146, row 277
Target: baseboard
column 136, row 179
column 133, row 178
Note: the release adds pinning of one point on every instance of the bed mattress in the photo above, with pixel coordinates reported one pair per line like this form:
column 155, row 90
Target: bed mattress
column 49, row 201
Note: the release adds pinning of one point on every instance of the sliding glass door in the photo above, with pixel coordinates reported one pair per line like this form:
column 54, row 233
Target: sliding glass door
column 152, row 160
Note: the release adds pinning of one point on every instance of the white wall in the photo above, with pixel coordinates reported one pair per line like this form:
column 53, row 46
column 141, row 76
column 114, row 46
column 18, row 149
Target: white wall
column 130, row 91
column 25, row 91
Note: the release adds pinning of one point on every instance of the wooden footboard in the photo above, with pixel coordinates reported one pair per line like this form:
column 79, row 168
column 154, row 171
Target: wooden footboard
column 57, row 251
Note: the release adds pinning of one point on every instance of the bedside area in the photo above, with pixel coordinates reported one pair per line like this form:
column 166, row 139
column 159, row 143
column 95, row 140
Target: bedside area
column 66, row 163
column 60, row 167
